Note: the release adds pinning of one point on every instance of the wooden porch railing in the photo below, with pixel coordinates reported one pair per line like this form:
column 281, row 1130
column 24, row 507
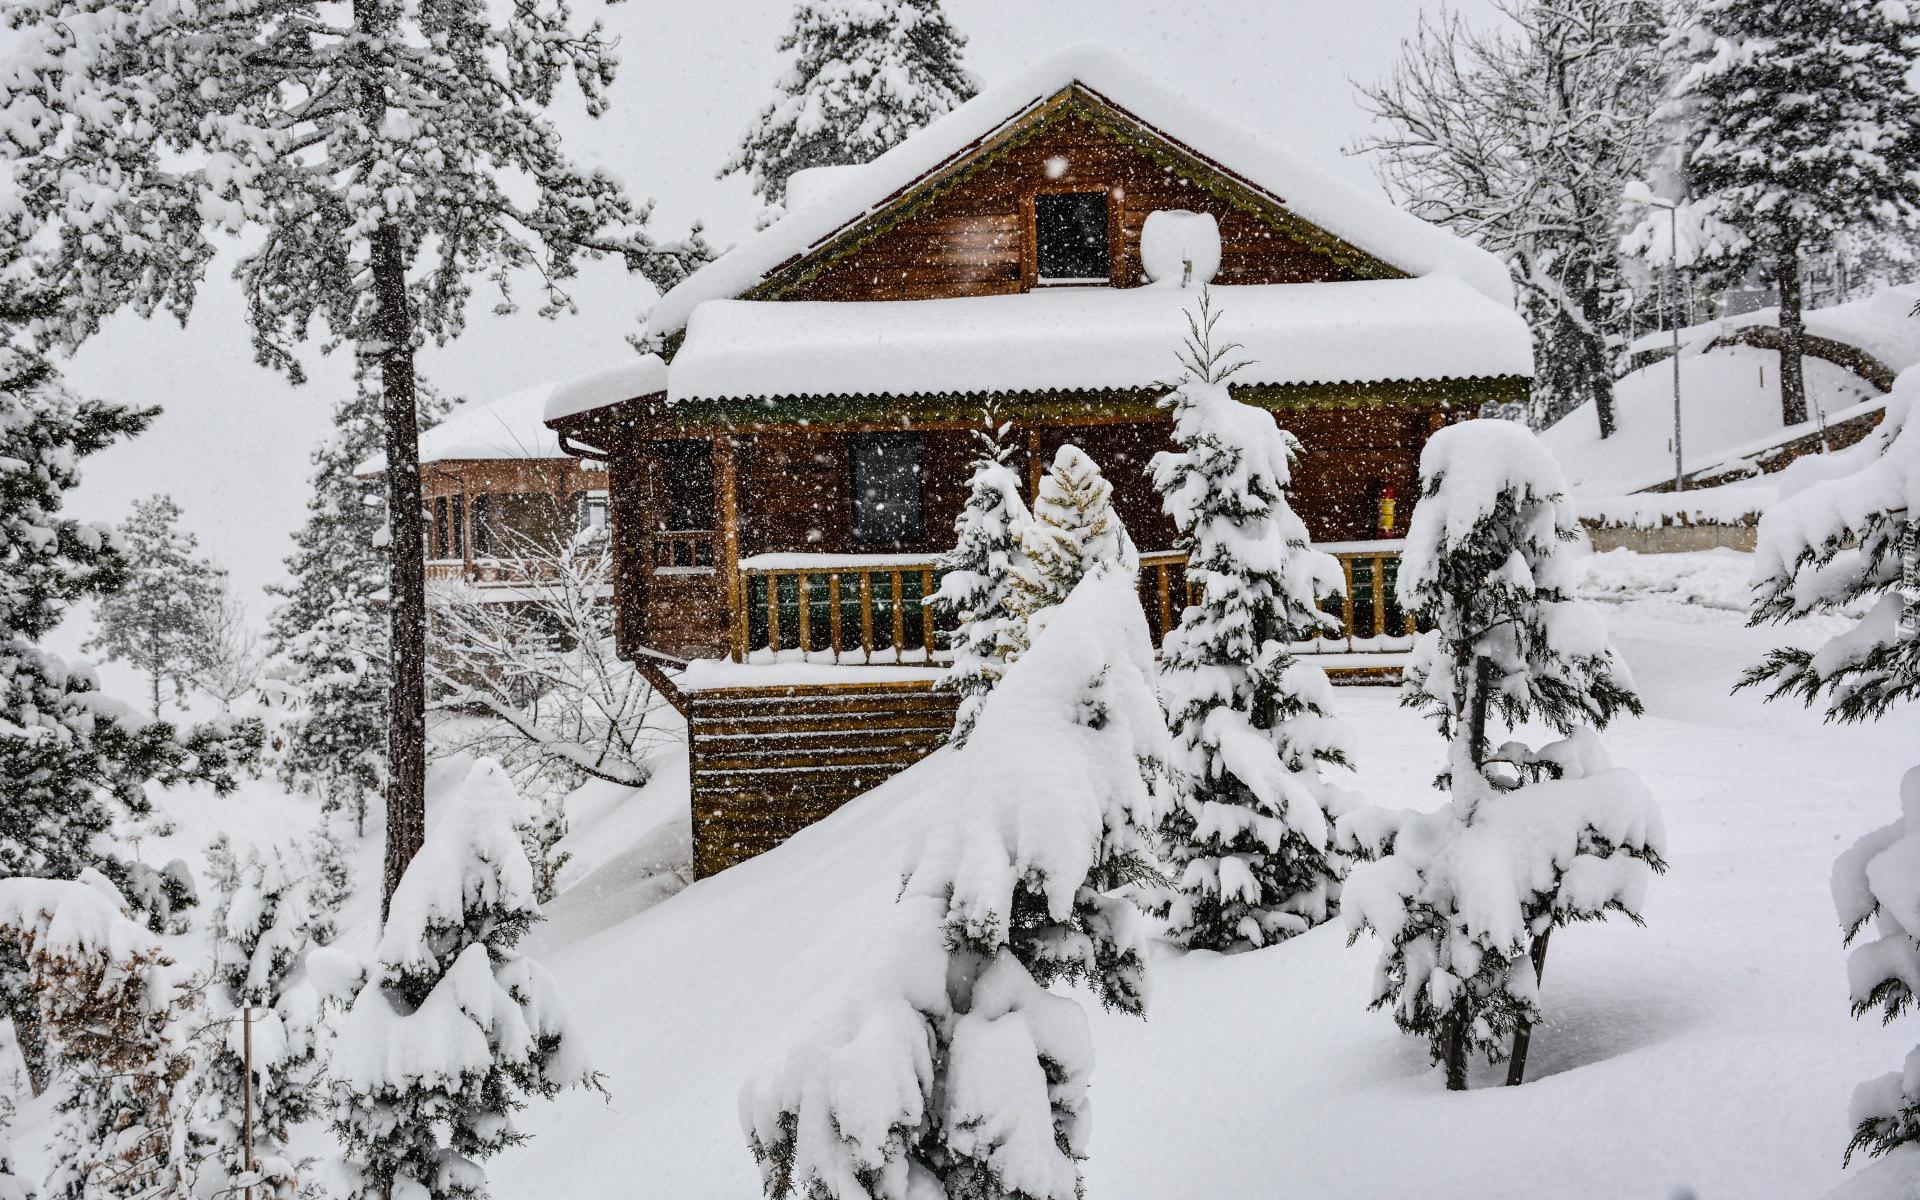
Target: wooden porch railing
column 870, row 608
column 840, row 607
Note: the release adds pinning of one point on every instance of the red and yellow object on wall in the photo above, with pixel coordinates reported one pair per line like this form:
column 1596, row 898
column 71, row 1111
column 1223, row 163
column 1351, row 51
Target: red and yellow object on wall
column 1383, row 510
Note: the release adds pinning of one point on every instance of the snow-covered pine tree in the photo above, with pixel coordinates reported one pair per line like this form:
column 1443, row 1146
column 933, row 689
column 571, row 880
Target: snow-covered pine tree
column 331, row 627
column 329, row 878
column 1520, row 137
column 1487, row 571
column 1850, row 541
column 120, row 1021
column 430, row 160
column 159, row 621
column 258, row 955
column 950, row 1069
column 978, row 584
column 1072, row 531
column 70, row 758
column 865, row 75
column 483, row 1028
column 1251, row 831
column 1801, row 130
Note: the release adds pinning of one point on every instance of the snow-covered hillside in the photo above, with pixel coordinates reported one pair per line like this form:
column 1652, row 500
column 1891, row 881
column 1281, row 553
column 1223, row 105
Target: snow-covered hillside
column 1729, row 398
column 1710, row 1053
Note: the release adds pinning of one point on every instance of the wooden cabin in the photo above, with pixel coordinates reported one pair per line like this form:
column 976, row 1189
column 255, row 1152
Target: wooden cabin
column 785, row 472
column 499, row 490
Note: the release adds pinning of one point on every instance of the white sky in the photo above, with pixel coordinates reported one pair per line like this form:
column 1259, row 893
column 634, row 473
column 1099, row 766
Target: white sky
column 232, row 445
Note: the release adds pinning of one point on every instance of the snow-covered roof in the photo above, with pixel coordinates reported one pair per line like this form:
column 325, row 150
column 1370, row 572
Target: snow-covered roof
column 644, row 376
column 1357, row 215
column 1081, row 339
column 510, row 427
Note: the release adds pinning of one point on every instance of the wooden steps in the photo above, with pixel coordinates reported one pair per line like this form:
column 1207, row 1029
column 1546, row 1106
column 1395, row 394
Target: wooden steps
column 768, row 762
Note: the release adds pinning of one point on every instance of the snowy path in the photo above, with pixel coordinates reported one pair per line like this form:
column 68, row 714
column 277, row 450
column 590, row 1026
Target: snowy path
column 1710, row 1051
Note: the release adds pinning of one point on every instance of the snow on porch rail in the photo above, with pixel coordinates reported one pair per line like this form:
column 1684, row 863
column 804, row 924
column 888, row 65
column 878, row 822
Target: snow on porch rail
column 856, row 607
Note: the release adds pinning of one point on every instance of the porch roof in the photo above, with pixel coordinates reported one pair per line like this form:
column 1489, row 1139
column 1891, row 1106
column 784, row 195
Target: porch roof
column 1095, row 339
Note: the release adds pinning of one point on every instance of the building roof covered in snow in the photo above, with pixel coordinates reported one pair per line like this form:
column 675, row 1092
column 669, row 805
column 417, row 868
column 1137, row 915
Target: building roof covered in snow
column 842, row 210
column 1095, row 339
column 512, row 427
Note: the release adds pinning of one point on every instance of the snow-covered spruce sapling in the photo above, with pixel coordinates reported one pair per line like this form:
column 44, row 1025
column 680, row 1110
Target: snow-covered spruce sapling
column 1801, row 130
column 1072, row 531
column 1846, row 542
column 1520, row 135
column 865, row 75
column 160, row 621
column 978, row 584
column 329, row 880
column 258, row 993
column 1465, row 897
column 71, row 759
column 454, row 1030
column 949, row 1069
column 379, row 158
column 1251, row 832
column 119, row 1018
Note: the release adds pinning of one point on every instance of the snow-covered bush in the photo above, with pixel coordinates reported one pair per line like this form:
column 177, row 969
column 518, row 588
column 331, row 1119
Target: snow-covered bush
column 118, row 1018
column 978, row 584
column 865, row 75
column 1466, row 897
column 949, row 1069
column 1252, row 830
column 260, row 956
column 453, row 1030
column 1848, row 542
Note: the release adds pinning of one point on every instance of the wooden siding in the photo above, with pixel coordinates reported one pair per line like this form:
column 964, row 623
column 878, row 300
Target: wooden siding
column 976, row 240
column 769, row 762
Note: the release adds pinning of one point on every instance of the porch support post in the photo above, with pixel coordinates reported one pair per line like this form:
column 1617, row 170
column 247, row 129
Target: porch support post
column 727, row 476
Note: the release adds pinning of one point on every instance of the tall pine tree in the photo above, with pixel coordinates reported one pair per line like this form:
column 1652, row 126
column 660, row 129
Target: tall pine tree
column 380, row 156
column 1252, row 831
column 163, row 620
column 331, row 628
column 865, row 75
column 1802, row 129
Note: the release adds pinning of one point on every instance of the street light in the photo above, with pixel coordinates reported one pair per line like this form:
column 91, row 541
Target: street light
column 1638, row 192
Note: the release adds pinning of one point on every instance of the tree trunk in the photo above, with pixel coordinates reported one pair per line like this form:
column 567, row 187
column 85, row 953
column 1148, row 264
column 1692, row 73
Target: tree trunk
column 1477, row 711
column 1454, row 1035
column 406, row 579
column 1595, row 362
column 1523, row 1036
column 1793, row 335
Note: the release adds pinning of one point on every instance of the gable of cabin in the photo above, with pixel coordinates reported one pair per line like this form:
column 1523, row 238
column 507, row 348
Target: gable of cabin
column 970, row 230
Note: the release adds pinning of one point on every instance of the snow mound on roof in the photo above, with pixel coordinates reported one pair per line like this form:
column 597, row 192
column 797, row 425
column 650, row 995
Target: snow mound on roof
column 1363, row 218
column 1093, row 338
column 643, row 377
column 809, row 184
column 510, row 427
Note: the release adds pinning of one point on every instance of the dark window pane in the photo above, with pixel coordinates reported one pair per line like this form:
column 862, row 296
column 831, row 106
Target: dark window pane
column 441, row 548
column 1070, row 235
column 459, row 527
column 887, row 503
column 482, row 525
column 689, row 480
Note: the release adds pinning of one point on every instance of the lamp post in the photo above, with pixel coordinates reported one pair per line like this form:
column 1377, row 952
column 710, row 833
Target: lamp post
column 1639, row 193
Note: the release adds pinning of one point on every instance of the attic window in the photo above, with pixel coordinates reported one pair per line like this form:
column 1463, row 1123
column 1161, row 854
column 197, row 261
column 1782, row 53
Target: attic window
column 1070, row 237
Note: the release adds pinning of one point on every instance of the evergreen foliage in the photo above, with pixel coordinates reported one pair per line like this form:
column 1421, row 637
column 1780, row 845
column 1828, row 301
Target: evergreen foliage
column 1801, row 130
column 1521, row 138
column 1465, row 898
column 950, row 1069
column 1846, row 543
column 453, row 1030
column 1073, row 530
column 161, row 620
column 1252, row 831
column 865, row 75
column 71, row 759
column 978, row 584
column 330, row 628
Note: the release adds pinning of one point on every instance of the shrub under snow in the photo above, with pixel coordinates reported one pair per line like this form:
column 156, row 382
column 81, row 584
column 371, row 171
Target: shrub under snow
column 949, row 1069
column 978, row 584
column 453, row 1030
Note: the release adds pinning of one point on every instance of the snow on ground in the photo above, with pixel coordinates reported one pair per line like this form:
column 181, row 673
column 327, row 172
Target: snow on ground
column 1709, row 1054
column 1729, row 397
